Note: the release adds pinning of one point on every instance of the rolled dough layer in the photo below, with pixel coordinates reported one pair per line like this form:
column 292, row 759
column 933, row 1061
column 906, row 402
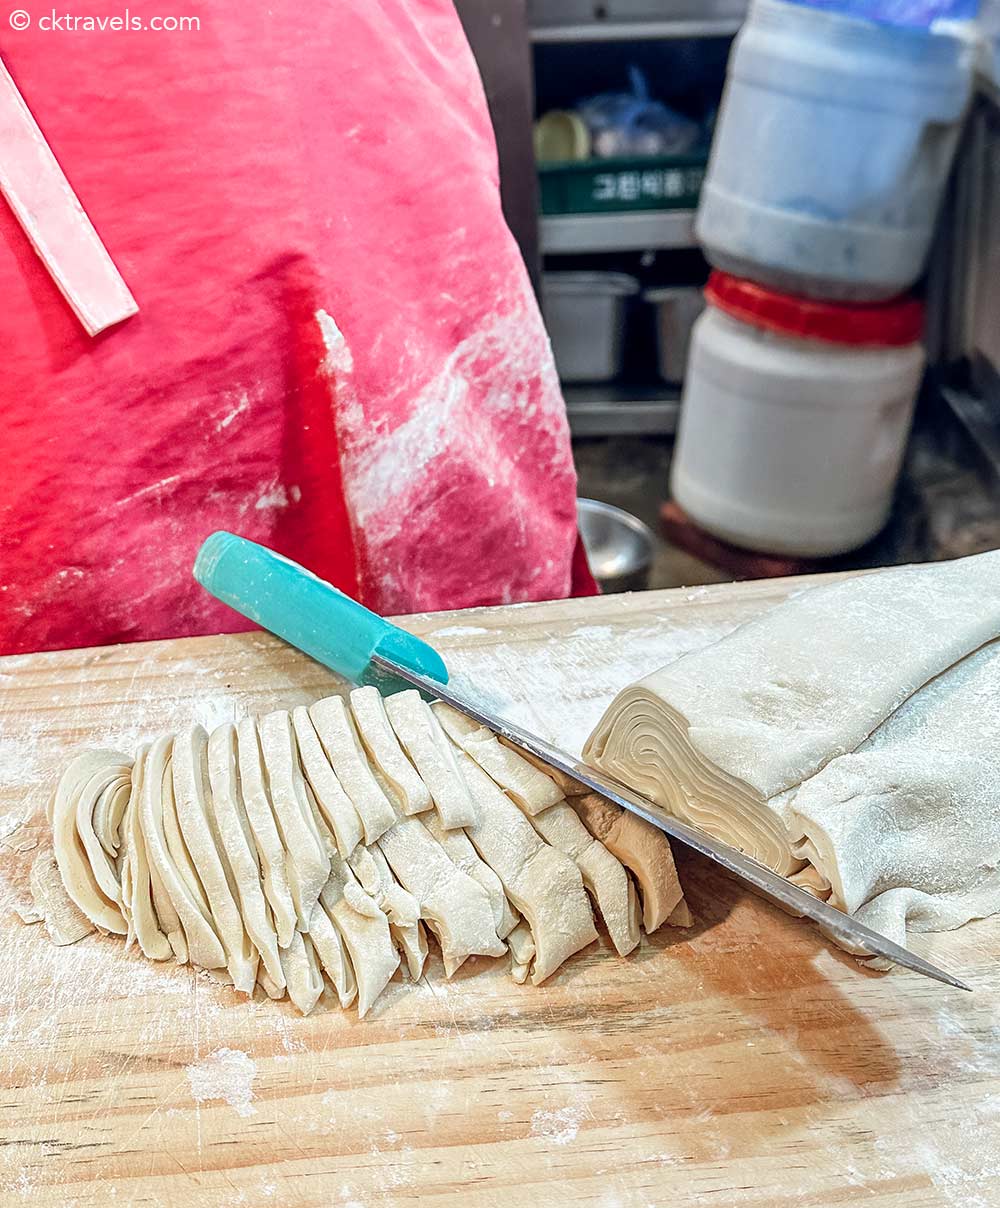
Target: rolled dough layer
column 385, row 753
column 84, row 782
column 905, row 831
column 347, row 756
column 260, row 815
column 785, row 739
column 531, row 789
column 64, row 920
column 604, row 878
column 364, row 929
column 645, row 852
column 543, row 883
column 189, row 911
column 307, row 864
column 189, row 761
column 227, row 817
column 419, row 731
column 337, row 809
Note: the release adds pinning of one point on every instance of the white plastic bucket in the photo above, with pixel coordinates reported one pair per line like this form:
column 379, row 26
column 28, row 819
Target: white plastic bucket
column 792, row 444
column 832, row 151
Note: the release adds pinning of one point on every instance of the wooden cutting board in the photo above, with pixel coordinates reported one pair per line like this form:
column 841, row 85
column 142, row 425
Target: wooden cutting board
column 742, row 1062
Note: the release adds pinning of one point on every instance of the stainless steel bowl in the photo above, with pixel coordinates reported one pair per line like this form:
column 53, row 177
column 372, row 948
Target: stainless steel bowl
column 619, row 546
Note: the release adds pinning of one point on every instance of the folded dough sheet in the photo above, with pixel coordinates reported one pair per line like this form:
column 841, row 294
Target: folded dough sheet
column 840, row 739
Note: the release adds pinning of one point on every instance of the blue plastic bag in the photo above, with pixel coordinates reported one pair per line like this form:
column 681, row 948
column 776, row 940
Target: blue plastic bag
column 916, row 14
column 633, row 124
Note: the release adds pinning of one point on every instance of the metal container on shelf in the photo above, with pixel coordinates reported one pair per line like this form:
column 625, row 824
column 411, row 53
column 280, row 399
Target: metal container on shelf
column 677, row 308
column 585, row 314
column 675, row 10
column 565, row 12
column 619, row 546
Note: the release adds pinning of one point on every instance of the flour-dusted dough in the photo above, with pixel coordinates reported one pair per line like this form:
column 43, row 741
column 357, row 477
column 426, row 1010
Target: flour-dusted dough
column 344, row 750
column 530, row 788
column 643, row 850
column 522, row 952
column 335, row 806
column 260, row 815
column 137, row 888
column 454, row 906
column 543, row 883
column 108, row 813
column 307, row 863
column 244, row 852
column 385, row 753
column 604, row 877
column 719, row 735
column 364, row 929
column 333, row 955
column 87, row 777
column 463, row 855
column 103, row 796
column 189, row 767
column 567, row 785
column 303, row 975
column 399, row 906
column 180, row 859
column 427, row 745
column 228, row 819
column 64, row 920
column 904, row 833
column 188, row 921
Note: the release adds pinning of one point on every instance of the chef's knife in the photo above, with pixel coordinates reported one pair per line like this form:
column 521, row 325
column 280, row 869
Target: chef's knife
column 337, row 631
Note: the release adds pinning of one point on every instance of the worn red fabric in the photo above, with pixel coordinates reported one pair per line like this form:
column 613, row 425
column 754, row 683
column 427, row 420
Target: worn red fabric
column 337, row 351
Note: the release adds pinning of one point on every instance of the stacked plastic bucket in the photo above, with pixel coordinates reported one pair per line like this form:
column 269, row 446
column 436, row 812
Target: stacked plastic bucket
column 830, row 160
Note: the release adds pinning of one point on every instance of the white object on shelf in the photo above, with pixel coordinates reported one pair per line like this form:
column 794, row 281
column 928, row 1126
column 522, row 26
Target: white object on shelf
column 832, row 151
column 585, row 316
column 793, row 445
column 677, row 308
column 645, row 230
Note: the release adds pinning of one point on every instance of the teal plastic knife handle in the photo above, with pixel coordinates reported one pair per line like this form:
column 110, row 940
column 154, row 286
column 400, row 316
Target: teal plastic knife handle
column 309, row 613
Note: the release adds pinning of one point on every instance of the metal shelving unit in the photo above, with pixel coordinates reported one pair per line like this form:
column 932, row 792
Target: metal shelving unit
column 652, row 230
column 634, row 31
column 617, row 408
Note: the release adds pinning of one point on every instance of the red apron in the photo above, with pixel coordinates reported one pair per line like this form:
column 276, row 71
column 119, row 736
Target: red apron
column 337, row 351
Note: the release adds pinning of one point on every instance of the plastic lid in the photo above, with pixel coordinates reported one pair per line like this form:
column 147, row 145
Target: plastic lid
column 890, row 324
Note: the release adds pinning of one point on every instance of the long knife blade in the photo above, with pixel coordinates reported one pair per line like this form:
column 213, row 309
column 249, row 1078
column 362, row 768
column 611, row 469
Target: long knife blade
column 840, row 926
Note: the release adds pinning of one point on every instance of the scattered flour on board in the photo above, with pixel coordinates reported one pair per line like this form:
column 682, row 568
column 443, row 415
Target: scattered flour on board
column 226, row 1074
column 459, row 631
column 559, row 686
column 560, row 1127
column 9, row 823
column 593, row 633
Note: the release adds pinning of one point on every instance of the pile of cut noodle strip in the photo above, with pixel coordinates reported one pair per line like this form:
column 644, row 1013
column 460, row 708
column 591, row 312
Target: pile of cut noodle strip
column 314, row 853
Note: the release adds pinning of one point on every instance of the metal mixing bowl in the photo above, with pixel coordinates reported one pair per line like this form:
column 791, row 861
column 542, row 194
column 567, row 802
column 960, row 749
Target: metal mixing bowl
column 619, row 546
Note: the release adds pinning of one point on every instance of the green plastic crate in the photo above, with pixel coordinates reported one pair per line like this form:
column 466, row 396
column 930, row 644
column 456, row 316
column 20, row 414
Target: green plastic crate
column 606, row 186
